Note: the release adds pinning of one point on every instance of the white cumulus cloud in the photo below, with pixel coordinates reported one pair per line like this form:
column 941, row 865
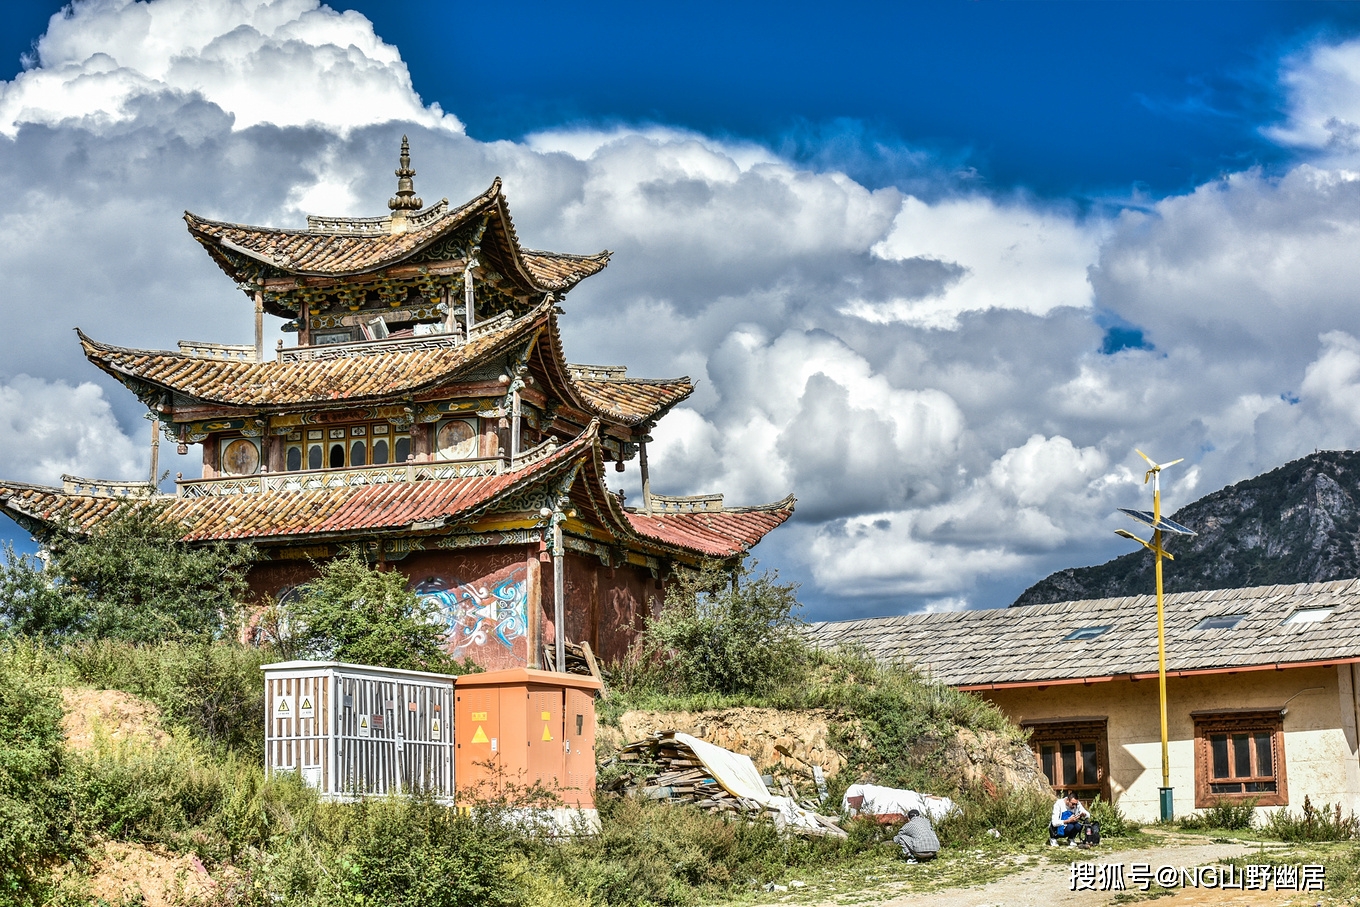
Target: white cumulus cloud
column 922, row 369
column 284, row 62
column 51, row 428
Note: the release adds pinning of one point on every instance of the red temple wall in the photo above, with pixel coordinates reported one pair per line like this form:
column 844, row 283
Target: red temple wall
column 486, row 596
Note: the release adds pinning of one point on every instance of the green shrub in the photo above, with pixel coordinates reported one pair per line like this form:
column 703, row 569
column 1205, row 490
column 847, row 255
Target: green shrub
column 724, row 635
column 214, row 690
column 654, row 853
column 36, row 829
column 416, row 853
column 1312, row 824
column 1113, row 824
column 1229, row 815
column 1016, row 815
column 352, row 612
column 132, row 578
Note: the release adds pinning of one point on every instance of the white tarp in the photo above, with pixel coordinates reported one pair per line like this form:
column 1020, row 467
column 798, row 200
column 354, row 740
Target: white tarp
column 738, row 776
column 893, row 801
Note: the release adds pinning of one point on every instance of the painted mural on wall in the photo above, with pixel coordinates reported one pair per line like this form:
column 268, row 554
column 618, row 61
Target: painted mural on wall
column 487, row 620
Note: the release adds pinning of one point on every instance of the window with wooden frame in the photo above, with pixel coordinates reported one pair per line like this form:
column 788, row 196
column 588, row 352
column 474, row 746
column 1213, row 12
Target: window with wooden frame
column 1073, row 754
column 339, row 447
column 1239, row 755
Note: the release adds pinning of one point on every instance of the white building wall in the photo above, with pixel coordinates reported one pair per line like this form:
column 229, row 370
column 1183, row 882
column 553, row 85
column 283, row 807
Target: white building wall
column 1320, row 755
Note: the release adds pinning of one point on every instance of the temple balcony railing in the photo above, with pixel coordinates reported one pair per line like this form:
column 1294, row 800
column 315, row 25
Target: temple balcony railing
column 106, row 488
column 369, row 348
column 697, row 503
column 433, row 341
column 359, row 476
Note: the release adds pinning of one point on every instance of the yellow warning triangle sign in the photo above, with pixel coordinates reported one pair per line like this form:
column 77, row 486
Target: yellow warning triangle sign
column 283, row 706
column 306, row 703
column 363, row 721
column 546, row 735
column 479, row 736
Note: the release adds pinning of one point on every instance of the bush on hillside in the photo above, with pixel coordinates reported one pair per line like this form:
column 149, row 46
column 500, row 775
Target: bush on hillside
column 723, row 634
column 36, row 828
column 655, row 853
column 30, row 605
column 214, row 690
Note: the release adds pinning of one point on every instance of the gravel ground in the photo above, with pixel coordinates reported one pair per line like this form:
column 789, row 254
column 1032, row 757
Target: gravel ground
column 1049, row 884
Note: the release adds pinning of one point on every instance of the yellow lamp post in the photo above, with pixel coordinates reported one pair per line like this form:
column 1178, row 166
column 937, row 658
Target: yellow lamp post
column 1159, row 525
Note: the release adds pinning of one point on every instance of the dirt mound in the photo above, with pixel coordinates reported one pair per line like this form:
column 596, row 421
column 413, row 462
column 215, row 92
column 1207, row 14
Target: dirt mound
column 992, row 762
column 132, row 873
column 752, row 731
column 121, row 716
column 982, row 759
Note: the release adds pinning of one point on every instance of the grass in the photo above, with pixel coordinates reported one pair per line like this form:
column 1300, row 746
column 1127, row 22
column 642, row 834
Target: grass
column 204, row 793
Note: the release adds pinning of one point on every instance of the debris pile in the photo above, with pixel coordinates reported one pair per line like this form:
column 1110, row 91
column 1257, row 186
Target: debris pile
column 665, row 766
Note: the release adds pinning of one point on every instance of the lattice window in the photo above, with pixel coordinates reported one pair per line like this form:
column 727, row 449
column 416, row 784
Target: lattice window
column 1073, row 755
column 339, row 447
column 1239, row 756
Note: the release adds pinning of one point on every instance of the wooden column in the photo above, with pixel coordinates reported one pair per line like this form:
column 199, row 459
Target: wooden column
column 559, row 599
column 210, row 456
column 469, row 307
column 646, row 479
column 304, row 324
column 535, row 595
column 514, row 426
column 259, row 325
column 155, row 450
column 422, row 444
column 275, row 449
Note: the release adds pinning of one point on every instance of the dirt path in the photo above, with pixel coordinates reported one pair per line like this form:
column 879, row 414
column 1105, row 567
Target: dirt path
column 1049, row 884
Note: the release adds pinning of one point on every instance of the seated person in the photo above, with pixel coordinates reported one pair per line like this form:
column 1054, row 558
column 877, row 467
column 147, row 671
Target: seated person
column 917, row 839
column 1066, row 820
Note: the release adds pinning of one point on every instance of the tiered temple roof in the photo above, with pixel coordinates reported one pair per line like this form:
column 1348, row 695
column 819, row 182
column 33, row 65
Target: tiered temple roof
column 333, row 249
column 285, row 506
column 409, row 324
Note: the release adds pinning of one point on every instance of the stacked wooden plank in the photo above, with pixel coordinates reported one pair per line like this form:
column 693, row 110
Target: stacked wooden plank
column 664, row 768
column 579, row 660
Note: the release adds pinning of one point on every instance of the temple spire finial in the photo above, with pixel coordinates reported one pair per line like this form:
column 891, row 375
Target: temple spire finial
column 405, row 200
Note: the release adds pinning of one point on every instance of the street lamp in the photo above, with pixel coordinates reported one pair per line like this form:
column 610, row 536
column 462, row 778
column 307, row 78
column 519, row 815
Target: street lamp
column 1158, row 524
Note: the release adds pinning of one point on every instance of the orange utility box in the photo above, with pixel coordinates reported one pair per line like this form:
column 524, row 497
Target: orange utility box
column 520, row 728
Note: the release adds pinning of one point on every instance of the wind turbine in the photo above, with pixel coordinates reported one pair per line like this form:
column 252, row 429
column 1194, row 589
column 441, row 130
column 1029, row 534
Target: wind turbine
column 1159, row 525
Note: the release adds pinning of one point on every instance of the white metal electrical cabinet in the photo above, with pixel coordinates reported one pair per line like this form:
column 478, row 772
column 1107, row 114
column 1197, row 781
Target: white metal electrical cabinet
column 351, row 730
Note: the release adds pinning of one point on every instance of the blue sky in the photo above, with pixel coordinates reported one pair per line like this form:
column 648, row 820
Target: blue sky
column 1064, row 98
column 937, row 267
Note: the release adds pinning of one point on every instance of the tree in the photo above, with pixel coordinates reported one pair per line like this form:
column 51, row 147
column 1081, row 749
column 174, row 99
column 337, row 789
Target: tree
column 727, row 634
column 30, row 605
column 354, row 613
column 132, row 577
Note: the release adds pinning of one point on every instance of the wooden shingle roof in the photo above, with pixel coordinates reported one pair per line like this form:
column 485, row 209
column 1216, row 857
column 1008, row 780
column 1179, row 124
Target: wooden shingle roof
column 1025, row 646
column 633, row 400
column 326, row 252
column 412, row 507
column 385, row 374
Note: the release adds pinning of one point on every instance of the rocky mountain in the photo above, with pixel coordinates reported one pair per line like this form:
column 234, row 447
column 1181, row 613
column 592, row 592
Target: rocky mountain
column 1296, row 524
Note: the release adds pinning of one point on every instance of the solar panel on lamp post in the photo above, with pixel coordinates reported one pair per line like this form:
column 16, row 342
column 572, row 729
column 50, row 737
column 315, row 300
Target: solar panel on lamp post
column 1159, row 525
